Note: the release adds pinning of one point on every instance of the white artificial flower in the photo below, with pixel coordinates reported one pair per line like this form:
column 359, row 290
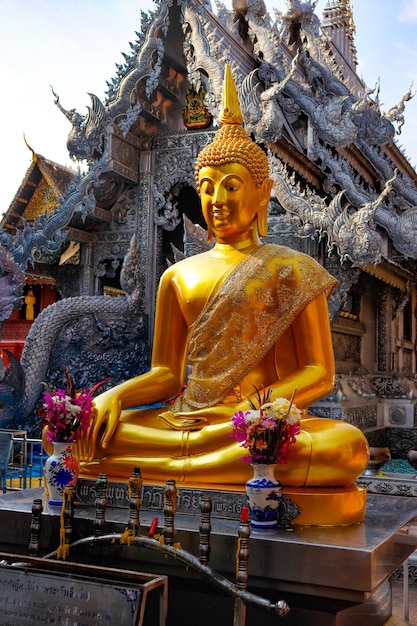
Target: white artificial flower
column 251, row 416
column 294, row 416
column 279, row 409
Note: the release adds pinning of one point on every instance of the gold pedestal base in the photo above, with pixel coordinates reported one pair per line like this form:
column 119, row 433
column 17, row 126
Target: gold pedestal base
column 328, row 506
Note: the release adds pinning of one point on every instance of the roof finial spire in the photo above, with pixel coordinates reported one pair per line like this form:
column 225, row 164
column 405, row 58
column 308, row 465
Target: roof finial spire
column 34, row 155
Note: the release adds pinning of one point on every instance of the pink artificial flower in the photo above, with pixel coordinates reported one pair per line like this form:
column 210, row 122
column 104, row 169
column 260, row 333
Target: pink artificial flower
column 67, row 413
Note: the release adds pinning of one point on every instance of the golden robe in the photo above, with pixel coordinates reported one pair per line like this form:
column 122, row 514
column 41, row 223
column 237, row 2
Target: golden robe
column 243, row 318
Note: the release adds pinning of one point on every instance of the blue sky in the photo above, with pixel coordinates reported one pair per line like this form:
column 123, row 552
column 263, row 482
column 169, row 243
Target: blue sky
column 74, row 45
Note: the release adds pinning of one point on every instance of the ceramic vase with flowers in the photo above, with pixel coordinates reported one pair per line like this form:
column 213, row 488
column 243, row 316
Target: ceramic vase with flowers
column 65, row 414
column 267, row 431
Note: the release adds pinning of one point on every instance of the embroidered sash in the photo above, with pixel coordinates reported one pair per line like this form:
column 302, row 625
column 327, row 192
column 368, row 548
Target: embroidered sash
column 245, row 316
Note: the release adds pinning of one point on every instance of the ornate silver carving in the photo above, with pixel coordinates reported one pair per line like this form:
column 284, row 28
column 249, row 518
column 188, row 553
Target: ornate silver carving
column 361, row 386
column 174, row 168
column 383, row 327
column 390, row 386
column 86, row 139
column 260, row 103
column 396, row 113
column 199, row 57
column 287, row 512
column 364, row 417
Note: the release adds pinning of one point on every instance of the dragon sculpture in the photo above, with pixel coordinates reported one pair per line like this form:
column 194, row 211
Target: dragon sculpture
column 93, row 337
column 86, row 138
column 396, row 113
column 47, row 234
column 21, row 383
column 259, row 93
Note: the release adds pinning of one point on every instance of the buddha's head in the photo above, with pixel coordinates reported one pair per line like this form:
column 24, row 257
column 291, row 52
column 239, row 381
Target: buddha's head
column 232, row 145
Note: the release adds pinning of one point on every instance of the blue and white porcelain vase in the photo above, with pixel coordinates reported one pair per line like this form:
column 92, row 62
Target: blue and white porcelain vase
column 61, row 470
column 263, row 493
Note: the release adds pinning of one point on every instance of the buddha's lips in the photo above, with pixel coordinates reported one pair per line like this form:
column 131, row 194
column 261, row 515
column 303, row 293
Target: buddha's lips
column 220, row 214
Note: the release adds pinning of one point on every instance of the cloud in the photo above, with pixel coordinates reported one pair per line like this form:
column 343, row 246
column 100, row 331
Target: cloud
column 409, row 11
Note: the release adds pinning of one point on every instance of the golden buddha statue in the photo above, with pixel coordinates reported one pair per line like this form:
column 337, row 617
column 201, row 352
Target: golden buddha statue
column 30, row 301
column 242, row 315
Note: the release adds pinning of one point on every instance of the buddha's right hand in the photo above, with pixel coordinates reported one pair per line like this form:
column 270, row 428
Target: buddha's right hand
column 182, row 422
column 107, row 409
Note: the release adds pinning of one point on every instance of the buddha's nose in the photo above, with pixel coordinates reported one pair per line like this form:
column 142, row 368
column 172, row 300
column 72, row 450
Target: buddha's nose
column 219, row 196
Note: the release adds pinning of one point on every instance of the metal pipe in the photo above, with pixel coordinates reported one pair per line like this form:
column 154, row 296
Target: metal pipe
column 281, row 608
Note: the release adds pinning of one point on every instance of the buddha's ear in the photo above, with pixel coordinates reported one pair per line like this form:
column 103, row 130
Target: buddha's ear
column 265, row 191
column 265, row 194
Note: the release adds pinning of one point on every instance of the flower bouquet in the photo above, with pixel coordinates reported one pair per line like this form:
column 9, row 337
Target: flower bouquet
column 66, row 414
column 267, row 432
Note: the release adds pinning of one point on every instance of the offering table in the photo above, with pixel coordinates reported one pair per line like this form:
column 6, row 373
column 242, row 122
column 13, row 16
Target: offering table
column 330, row 576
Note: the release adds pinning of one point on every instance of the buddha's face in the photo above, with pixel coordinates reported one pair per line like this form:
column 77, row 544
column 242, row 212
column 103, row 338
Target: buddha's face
column 231, row 201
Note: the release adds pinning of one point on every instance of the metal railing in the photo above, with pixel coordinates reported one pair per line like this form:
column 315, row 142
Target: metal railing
column 27, row 466
column 406, row 591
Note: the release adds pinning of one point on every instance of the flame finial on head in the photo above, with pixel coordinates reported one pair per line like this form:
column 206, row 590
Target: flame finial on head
column 230, row 112
column 232, row 144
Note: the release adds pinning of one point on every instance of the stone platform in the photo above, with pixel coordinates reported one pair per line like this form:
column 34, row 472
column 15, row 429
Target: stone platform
column 334, row 576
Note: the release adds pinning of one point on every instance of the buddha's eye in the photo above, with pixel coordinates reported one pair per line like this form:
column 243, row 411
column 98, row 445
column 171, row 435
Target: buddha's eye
column 207, row 188
column 232, row 185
